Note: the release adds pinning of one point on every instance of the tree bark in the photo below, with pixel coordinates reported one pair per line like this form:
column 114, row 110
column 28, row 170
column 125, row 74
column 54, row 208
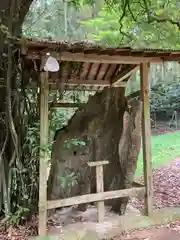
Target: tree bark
column 129, row 148
column 12, row 18
column 102, row 118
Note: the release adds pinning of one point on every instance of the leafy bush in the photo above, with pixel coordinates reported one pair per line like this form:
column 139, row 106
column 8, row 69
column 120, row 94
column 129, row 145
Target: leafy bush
column 165, row 98
column 14, row 219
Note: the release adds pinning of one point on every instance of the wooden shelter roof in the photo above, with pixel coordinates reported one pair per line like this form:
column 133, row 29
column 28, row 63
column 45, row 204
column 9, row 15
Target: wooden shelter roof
column 85, row 64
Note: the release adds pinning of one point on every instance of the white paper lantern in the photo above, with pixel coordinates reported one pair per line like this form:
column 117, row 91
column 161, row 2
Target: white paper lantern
column 51, row 65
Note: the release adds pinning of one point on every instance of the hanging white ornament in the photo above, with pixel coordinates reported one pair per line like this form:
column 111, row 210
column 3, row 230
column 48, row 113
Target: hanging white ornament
column 51, row 65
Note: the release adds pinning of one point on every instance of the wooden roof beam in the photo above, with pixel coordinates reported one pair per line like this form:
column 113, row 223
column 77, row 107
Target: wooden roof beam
column 74, row 82
column 94, row 58
column 103, row 83
column 54, row 87
column 79, row 84
column 126, row 73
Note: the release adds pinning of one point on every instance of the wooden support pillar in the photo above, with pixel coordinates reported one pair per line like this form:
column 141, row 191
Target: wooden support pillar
column 146, row 139
column 99, row 186
column 44, row 129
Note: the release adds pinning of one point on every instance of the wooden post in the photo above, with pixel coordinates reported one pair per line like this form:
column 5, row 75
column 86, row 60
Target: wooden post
column 146, row 139
column 44, row 125
column 99, row 186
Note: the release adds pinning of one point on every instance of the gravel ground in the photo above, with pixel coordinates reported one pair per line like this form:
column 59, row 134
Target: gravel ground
column 166, row 182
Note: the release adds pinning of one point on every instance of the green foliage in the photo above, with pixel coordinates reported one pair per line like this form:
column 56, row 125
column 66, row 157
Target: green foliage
column 56, row 19
column 135, row 31
column 33, row 138
column 14, row 219
column 68, row 180
column 165, row 98
column 23, row 174
column 74, row 142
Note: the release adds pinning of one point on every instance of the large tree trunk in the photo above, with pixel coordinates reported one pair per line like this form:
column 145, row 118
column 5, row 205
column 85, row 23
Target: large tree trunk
column 12, row 14
column 116, row 130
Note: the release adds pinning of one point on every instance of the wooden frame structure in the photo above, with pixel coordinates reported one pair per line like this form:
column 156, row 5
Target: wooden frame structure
column 124, row 62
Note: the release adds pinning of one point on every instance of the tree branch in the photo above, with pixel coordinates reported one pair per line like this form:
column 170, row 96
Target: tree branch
column 155, row 18
column 129, row 8
column 5, row 141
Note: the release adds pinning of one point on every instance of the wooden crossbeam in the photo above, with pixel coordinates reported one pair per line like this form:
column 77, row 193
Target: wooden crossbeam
column 88, row 83
column 55, row 87
column 94, row 58
column 79, row 84
column 124, row 75
column 98, row 83
column 66, row 105
column 85, row 82
column 95, row 197
column 97, row 163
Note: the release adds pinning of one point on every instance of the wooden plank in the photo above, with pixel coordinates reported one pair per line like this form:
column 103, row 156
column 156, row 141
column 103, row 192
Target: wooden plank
column 44, row 92
column 87, row 83
column 124, row 75
column 120, row 84
column 55, row 87
column 83, row 83
column 94, row 58
column 65, row 105
column 97, row 163
column 146, row 138
column 95, row 197
column 100, row 188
